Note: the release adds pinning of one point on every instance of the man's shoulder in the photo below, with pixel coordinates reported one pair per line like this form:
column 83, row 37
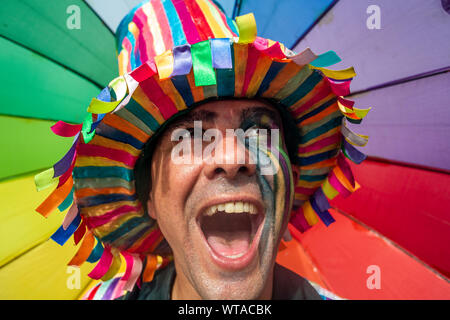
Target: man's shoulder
column 287, row 285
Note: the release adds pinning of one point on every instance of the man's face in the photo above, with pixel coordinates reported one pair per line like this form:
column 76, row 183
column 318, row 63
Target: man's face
column 223, row 217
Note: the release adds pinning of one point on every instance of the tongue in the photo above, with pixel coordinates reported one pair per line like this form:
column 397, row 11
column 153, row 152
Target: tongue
column 226, row 246
column 228, row 234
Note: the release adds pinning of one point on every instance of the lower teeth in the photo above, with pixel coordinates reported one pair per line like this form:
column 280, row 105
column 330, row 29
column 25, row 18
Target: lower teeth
column 236, row 256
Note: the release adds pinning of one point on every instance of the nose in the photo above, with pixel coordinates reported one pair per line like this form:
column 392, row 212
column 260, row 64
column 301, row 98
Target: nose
column 230, row 159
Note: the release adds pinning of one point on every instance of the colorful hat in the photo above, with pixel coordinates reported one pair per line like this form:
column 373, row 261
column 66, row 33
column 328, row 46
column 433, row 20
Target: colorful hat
column 174, row 55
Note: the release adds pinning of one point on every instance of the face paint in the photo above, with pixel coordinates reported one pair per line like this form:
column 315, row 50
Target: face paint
column 277, row 188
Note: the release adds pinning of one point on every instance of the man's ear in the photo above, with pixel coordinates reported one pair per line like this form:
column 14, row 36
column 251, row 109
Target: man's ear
column 151, row 208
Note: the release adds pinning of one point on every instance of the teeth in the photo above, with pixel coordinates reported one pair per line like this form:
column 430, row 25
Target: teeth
column 236, row 255
column 232, row 207
column 229, row 207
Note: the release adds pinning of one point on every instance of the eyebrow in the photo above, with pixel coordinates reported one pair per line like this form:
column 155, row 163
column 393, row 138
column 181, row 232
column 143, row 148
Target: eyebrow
column 209, row 116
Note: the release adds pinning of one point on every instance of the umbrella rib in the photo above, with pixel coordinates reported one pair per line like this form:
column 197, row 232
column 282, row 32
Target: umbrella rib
column 100, row 18
column 305, row 33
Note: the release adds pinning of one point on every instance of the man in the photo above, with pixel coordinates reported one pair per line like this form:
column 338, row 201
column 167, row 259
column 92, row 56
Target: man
column 222, row 218
column 195, row 159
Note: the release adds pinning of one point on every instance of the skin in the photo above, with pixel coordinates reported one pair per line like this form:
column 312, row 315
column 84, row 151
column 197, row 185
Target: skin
column 179, row 191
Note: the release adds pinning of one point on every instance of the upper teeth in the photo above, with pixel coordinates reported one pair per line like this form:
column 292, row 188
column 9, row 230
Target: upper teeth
column 232, row 207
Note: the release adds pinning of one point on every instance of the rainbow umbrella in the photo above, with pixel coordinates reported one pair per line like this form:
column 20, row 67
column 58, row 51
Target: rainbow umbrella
column 390, row 239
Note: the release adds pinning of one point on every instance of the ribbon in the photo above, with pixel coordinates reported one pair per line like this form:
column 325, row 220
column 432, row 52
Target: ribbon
column 324, row 215
column 328, row 190
column 64, row 129
column 344, row 167
column 204, row 73
column 103, row 265
column 96, row 253
column 150, row 268
column 352, row 153
column 303, row 58
column 67, row 202
column 134, row 268
column 132, row 85
column 326, row 59
column 298, row 221
column 164, row 64
column 119, row 85
column 87, row 131
column 45, row 179
column 338, row 185
column 337, row 74
column 110, row 290
column 78, row 235
column 182, row 61
column 321, row 200
column 84, row 251
column 309, row 213
column 247, row 28
column 144, row 71
column 340, row 88
column 65, row 162
column 55, row 198
column 62, row 235
column 70, row 215
column 221, row 53
column 275, row 51
column 353, row 138
column 115, row 266
column 104, row 95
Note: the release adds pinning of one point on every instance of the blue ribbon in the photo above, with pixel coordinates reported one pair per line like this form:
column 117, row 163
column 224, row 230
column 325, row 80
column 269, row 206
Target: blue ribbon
column 352, row 153
column 221, row 54
column 61, row 235
column 67, row 202
column 96, row 253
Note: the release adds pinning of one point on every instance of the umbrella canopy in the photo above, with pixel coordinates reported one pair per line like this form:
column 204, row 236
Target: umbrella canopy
column 53, row 65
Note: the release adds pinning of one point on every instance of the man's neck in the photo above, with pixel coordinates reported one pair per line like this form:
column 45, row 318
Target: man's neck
column 183, row 290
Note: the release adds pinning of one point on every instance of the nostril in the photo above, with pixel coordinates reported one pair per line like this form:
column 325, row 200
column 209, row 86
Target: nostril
column 218, row 170
column 243, row 170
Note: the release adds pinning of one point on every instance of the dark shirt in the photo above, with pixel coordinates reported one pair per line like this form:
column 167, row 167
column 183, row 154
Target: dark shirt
column 287, row 285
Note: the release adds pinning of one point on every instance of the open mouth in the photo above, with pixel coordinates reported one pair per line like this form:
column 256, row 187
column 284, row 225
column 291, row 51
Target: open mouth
column 232, row 231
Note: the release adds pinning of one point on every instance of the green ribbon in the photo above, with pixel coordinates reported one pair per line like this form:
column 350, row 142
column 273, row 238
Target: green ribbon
column 204, row 73
column 86, row 130
column 45, row 179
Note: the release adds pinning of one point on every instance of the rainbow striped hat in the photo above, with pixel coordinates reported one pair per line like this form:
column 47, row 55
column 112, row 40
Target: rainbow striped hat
column 174, row 55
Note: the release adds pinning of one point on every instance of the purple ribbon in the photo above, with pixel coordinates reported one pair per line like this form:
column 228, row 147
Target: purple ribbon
column 352, row 153
column 221, row 54
column 182, row 61
column 321, row 200
column 64, row 164
column 109, row 292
